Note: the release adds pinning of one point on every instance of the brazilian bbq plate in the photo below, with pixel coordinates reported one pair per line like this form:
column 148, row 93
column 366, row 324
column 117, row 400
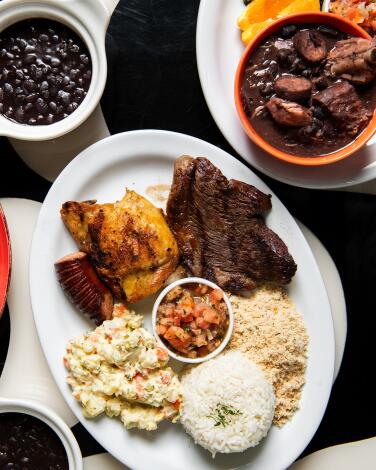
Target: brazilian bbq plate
column 143, row 161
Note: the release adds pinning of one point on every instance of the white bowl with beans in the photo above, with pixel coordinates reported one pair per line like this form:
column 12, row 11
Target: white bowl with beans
column 55, row 424
column 44, row 93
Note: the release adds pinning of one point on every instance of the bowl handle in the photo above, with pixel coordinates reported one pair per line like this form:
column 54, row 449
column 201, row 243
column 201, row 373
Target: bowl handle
column 97, row 14
column 110, row 6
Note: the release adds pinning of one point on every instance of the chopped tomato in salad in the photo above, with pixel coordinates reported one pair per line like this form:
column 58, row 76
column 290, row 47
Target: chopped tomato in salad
column 360, row 12
column 193, row 320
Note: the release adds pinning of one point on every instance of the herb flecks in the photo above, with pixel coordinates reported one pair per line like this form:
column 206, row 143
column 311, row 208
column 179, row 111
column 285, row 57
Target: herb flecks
column 222, row 414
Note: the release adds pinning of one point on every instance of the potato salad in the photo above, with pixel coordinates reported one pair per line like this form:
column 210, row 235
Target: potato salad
column 120, row 370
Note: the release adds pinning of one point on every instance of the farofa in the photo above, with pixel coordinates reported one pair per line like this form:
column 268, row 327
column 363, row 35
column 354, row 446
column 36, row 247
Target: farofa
column 270, row 331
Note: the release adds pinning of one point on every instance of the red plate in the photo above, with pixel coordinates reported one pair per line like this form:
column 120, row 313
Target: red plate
column 5, row 260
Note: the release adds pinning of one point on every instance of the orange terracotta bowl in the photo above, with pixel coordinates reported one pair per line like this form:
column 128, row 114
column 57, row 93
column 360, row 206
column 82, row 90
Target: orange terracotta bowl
column 329, row 19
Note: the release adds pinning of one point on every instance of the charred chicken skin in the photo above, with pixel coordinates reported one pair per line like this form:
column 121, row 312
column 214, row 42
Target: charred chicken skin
column 129, row 243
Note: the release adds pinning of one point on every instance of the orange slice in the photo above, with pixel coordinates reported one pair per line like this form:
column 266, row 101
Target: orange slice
column 298, row 6
column 260, row 10
column 251, row 32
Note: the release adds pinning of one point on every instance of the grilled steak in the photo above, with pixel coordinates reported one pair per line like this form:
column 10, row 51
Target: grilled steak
column 220, row 229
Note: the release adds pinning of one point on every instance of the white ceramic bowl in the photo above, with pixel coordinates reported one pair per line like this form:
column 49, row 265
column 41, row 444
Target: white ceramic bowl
column 226, row 339
column 8, row 405
column 89, row 19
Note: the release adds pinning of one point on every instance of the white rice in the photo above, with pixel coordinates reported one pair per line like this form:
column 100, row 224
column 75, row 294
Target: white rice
column 233, row 381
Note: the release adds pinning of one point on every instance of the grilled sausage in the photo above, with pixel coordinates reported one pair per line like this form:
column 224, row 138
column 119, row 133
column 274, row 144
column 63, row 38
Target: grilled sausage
column 310, row 45
column 293, row 88
column 83, row 287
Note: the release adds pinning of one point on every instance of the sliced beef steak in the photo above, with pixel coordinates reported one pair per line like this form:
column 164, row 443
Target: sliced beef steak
column 220, row 229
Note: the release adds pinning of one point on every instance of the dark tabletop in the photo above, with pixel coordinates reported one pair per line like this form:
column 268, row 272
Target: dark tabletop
column 153, row 83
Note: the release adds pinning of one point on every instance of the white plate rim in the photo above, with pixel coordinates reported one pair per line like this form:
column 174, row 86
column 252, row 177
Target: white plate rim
column 208, row 12
column 37, row 293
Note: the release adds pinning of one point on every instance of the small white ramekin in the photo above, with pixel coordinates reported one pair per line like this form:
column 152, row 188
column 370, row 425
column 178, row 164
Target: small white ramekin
column 226, row 339
column 10, row 405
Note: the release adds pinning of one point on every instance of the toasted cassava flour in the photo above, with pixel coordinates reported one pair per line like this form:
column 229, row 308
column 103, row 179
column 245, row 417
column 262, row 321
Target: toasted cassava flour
column 270, row 331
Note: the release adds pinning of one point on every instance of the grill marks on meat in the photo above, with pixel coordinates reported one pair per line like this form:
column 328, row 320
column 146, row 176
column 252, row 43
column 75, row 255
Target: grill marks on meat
column 354, row 60
column 343, row 103
column 83, row 288
column 219, row 226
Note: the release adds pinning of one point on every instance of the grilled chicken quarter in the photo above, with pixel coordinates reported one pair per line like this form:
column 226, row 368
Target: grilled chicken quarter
column 129, row 242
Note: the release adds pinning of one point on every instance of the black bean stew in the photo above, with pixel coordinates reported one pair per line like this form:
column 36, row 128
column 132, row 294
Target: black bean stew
column 28, row 443
column 45, row 71
column 310, row 90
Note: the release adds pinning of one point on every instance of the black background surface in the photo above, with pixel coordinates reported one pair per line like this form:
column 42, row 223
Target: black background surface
column 153, row 83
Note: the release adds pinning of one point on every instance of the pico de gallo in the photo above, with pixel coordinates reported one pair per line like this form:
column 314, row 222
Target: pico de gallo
column 361, row 12
column 192, row 320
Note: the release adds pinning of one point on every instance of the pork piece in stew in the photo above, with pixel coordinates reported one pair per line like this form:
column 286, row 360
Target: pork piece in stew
column 310, row 90
column 192, row 320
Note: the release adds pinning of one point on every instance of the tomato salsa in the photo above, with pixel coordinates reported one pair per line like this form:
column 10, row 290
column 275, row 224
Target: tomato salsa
column 192, row 320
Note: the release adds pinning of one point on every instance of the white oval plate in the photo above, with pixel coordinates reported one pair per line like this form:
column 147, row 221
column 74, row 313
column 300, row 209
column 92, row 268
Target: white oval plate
column 137, row 160
column 219, row 48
